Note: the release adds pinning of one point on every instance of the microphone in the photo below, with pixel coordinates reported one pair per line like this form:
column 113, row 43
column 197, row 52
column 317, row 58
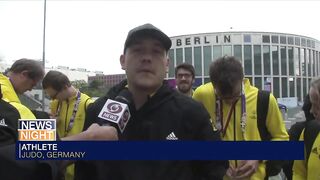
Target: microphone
column 117, row 111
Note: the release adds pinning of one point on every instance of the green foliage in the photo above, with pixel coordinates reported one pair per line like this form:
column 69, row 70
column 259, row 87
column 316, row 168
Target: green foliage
column 94, row 89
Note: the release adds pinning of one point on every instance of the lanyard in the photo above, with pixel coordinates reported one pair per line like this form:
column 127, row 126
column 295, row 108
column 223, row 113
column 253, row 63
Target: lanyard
column 74, row 112
column 219, row 114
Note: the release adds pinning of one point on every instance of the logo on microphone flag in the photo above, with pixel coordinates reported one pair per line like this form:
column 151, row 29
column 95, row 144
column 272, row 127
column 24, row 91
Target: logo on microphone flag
column 115, row 112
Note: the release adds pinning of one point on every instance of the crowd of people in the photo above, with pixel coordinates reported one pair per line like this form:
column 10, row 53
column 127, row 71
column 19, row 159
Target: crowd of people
column 228, row 108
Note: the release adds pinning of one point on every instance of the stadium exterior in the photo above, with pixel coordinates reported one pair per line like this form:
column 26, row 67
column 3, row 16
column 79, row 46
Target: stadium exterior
column 281, row 63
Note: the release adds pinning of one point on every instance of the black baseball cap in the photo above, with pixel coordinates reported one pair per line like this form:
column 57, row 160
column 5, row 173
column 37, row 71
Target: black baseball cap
column 147, row 30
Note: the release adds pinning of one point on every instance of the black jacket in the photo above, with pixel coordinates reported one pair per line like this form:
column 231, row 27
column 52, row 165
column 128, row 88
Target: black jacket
column 165, row 112
column 10, row 168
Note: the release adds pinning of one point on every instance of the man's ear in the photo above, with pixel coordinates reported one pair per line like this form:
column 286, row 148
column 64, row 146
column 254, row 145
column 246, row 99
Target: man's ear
column 123, row 62
column 24, row 73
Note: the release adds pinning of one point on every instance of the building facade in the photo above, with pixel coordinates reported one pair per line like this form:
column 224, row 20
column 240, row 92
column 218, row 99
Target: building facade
column 281, row 63
column 107, row 80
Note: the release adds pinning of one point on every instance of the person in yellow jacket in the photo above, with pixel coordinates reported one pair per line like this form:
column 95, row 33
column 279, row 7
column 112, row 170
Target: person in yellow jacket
column 231, row 102
column 68, row 106
column 22, row 76
column 308, row 169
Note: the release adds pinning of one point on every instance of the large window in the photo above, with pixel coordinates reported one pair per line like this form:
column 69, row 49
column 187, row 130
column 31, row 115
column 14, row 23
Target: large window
column 299, row 89
column 283, row 56
column 297, row 61
column 303, row 62
column 266, row 60
column 275, row 60
column 290, row 40
column 216, row 52
column 257, row 59
column 292, row 87
column 237, row 51
column 247, row 60
column 304, row 87
column 207, row 58
column 266, row 39
column 188, row 55
column 258, row 82
column 227, row 50
column 291, row 62
column 283, row 40
column 197, row 61
column 179, row 56
column 297, row 41
column 171, row 63
column 275, row 39
column 276, row 87
column 284, row 86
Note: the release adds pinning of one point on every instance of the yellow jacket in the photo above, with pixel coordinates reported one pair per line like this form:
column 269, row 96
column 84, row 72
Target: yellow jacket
column 11, row 96
column 274, row 121
column 65, row 114
column 308, row 170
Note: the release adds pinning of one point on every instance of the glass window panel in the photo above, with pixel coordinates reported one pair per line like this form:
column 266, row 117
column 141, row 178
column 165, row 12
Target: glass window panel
column 247, row 60
column 179, row 57
column 207, row 57
column 313, row 64
column 171, row 64
column 303, row 42
column 304, row 87
column 297, row 41
column 308, row 43
column 284, row 87
column 266, row 39
column 227, row 50
column 283, row 56
column 237, row 52
column 206, row 80
column 291, row 62
column 276, row 87
column 290, row 40
column 258, row 82
column 217, row 52
column 246, row 38
column 197, row 61
column 188, row 55
column 297, row 60
column 292, row 87
column 275, row 60
column 275, row 39
column 299, row 89
column 313, row 44
column 283, row 40
column 303, row 62
column 257, row 59
column 266, row 60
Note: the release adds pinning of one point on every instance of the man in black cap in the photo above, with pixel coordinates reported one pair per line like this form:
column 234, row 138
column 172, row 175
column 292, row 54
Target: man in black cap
column 158, row 112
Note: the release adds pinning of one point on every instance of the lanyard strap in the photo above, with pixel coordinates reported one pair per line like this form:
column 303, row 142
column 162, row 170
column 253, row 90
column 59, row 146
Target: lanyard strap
column 219, row 113
column 74, row 112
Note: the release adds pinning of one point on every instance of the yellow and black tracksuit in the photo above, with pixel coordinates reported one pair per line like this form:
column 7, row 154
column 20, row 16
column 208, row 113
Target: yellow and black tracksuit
column 308, row 169
column 274, row 122
column 63, row 120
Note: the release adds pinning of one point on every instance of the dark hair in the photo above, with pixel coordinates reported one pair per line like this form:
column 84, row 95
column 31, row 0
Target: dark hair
column 225, row 72
column 34, row 68
column 306, row 108
column 187, row 67
column 55, row 80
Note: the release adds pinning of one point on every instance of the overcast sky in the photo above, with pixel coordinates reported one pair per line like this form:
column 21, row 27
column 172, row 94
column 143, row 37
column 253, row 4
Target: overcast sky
column 91, row 34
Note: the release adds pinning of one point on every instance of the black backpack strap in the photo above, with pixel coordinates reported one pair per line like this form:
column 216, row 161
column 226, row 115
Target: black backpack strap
column 310, row 134
column 262, row 111
column 85, row 104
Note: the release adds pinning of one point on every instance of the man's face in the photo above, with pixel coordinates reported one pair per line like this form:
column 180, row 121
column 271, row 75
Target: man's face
column 230, row 98
column 145, row 63
column 315, row 101
column 184, row 80
column 54, row 94
column 25, row 82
